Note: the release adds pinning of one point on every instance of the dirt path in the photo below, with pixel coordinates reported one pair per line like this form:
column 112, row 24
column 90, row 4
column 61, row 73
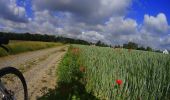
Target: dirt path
column 38, row 67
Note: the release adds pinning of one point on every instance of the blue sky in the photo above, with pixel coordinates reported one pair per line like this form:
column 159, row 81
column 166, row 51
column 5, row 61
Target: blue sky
column 27, row 4
column 145, row 22
column 137, row 10
column 151, row 7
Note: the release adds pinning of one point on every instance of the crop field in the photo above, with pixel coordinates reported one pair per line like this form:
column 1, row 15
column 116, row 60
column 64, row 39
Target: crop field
column 16, row 47
column 114, row 74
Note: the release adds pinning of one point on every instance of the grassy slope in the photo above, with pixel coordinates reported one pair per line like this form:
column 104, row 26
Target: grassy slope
column 145, row 75
column 16, row 47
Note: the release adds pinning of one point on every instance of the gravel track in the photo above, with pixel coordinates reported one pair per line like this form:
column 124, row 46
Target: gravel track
column 40, row 76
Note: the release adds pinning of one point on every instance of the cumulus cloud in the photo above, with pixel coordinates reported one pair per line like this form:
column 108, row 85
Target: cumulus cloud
column 117, row 30
column 121, row 26
column 92, row 36
column 92, row 11
column 154, row 31
column 10, row 11
column 156, row 24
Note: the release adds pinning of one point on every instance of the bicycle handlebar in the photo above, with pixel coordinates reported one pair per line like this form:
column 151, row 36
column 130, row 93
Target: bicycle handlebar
column 4, row 40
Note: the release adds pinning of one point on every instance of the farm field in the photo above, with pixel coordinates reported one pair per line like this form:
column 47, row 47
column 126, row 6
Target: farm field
column 92, row 73
column 16, row 47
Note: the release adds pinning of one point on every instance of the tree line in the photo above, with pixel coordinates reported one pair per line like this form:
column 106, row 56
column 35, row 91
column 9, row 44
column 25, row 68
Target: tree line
column 42, row 37
column 53, row 38
column 132, row 45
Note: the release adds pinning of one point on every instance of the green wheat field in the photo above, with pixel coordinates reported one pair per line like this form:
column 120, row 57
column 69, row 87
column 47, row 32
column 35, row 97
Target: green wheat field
column 144, row 75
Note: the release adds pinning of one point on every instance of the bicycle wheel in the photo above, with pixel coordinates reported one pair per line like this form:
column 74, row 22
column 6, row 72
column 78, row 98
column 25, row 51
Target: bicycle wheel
column 13, row 83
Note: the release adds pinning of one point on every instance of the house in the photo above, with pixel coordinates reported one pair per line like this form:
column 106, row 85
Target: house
column 165, row 52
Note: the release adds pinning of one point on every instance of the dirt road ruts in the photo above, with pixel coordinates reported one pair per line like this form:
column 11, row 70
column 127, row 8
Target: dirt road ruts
column 41, row 75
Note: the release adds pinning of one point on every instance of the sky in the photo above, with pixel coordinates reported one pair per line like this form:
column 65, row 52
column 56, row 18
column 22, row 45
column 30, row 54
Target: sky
column 145, row 22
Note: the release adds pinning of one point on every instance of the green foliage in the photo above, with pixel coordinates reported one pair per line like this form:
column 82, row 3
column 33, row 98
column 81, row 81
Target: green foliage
column 99, row 43
column 69, row 82
column 149, row 49
column 68, row 68
column 141, row 48
column 145, row 75
column 24, row 46
column 130, row 45
column 42, row 37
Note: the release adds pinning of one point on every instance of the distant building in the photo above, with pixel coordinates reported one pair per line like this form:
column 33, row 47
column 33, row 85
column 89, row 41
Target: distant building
column 165, row 52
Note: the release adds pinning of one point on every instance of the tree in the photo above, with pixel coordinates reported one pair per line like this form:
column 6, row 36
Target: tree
column 141, row 48
column 159, row 51
column 130, row 45
column 117, row 46
column 149, row 48
column 99, row 43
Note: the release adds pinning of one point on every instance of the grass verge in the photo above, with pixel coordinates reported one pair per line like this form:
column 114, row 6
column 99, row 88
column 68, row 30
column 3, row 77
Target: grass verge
column 16, row 47
column 71, row 83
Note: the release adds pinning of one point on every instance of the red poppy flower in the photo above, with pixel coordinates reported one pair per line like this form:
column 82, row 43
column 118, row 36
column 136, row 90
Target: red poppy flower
column 119, row 82
column 75, row 51
column 82, row 69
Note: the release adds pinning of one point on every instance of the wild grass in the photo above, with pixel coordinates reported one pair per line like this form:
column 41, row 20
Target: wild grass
column 69, row 82
column 16, row 47
column 144, row 75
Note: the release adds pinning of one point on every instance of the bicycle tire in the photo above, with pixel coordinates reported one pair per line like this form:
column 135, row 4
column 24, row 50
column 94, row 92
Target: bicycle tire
column 12, row 70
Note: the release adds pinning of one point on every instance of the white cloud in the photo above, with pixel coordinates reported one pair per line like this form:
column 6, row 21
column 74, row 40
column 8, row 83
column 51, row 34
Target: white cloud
column 92, row 36
column 10, row 11
column 154, row 31
column 91, row 11
column 156, row 24
column 121, row 25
